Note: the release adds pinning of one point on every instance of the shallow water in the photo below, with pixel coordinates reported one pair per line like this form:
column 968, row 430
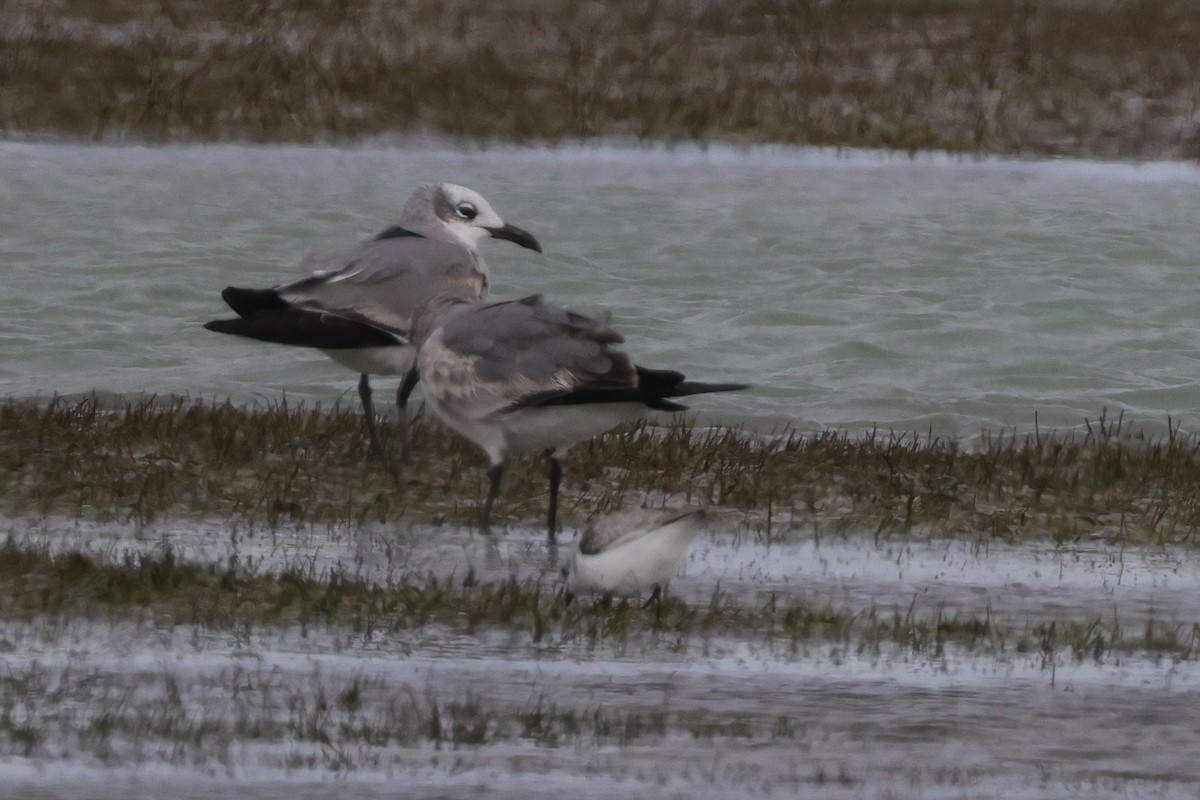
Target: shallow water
column 823, row 727
column 193, row 712
column 1010, row 582
column 852, row 289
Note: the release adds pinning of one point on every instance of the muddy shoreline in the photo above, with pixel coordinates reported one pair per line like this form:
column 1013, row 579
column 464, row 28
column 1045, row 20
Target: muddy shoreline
column 198, row 596
column 142, row 459
column 1101, row 80
column 286, row 661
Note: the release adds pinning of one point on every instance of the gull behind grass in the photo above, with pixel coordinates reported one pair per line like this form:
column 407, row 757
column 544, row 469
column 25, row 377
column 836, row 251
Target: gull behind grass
column 356, row 304
column 631, row 552
column 528, row 376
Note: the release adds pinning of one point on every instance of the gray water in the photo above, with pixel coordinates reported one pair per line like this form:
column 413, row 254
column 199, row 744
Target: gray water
column 852, row 289
column 196, row 712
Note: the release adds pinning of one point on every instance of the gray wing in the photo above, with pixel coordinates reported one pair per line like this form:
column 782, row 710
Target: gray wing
column 620, row 528
column 536, row 347
column 382, row 282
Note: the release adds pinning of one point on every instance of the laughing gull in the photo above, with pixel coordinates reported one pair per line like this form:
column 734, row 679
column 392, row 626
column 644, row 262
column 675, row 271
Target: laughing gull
column 526, row 375
column 631, row 551
column 356, row 304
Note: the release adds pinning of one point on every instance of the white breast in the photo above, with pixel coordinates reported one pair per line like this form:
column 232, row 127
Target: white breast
column 634, row 565
column 374, row 360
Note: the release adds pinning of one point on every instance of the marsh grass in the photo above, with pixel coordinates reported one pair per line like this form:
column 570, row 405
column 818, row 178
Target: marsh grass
column 1005, row 76
column 39, row 584
column 137, row 460
column 337, row 723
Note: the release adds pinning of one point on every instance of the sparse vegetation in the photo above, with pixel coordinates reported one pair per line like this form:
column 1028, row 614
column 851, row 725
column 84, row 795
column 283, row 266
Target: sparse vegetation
column 288, row 466
column 38, row 584
column 247, row 702
column 991, row 76
column 336, row 725
column 1064, row 77
column 294, row 467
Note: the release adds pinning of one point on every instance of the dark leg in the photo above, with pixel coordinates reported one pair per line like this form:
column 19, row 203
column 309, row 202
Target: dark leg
column 555, row 480
column 411, row 378
column 364, row 391
column 655, row 596
column 494, row 475
column 406, row 388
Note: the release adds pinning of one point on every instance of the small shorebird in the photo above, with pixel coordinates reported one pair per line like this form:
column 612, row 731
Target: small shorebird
column 631, row 552
column 526, row 375
column 356, row 304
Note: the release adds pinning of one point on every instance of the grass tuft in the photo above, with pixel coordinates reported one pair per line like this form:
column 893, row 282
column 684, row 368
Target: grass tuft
column 291, row 467
column 39, row 584
column 1111, row 80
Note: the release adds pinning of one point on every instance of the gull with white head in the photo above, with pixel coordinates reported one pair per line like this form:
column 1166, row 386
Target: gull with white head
column 356, row 304
column 632, row 552
column 528, row 376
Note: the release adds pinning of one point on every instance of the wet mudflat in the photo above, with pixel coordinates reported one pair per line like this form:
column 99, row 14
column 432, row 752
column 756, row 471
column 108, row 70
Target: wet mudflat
column 140, row 702
column 997, row 77
column 198, row 598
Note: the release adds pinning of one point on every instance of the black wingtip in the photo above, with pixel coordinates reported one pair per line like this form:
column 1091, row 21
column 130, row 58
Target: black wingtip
column 656, row 386
column 669, row 383
column 303, row 328
column 693, row 387
column 248, row 301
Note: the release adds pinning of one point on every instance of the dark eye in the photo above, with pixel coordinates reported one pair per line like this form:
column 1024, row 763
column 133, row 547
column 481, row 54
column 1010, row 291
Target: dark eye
column 466, row 210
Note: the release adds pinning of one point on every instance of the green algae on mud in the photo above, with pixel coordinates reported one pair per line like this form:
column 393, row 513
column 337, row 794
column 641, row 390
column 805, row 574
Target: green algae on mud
column 287, row 466
column 1112, row 80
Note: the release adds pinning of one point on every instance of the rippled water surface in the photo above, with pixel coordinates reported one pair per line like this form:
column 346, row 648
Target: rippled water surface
column 851, row 290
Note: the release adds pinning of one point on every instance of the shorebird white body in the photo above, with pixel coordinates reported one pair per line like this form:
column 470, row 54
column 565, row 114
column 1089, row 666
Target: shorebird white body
column 632, row 552
column 356, row 304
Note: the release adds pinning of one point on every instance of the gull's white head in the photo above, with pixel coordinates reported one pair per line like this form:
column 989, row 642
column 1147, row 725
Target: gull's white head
column 452, row 213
